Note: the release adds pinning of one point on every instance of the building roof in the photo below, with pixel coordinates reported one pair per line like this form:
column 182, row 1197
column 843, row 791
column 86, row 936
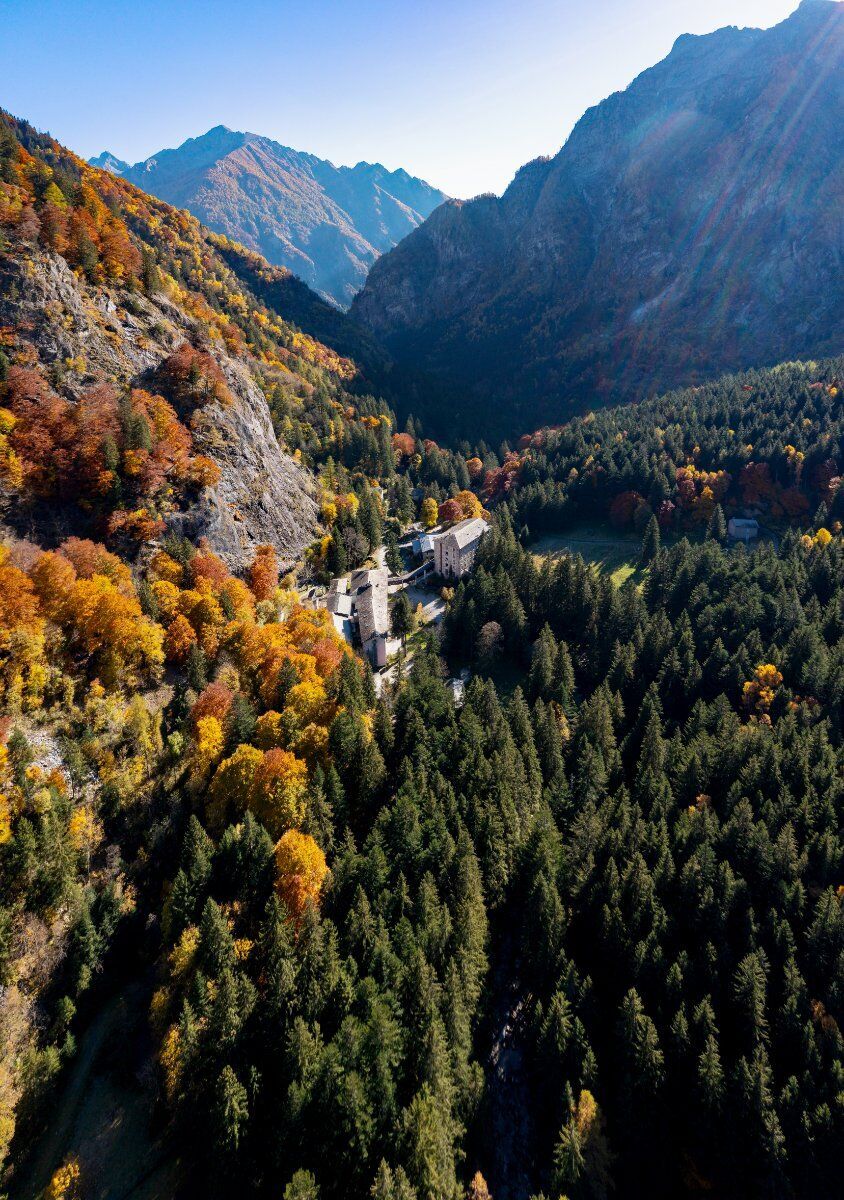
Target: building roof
column 338, row 586
column 339, row 603
column 365, row 578
column 468, row 531
column 373, row 608
column 424, row 544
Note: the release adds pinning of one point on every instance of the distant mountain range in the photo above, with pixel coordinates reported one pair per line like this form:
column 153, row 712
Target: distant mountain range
column 691, row 224
column 326, row 224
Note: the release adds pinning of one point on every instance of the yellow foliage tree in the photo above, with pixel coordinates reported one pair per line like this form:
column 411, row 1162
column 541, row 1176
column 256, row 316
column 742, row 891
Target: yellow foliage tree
column 64, row 1184
column 469, row 503
column 307, row 702
column 758, row 693
column 183, row 954
column 167, row 568
column 582, row 1156
column 85, row 832
column 278, row 791
column 429, row 513
column 232, row 786
column 301, row 871
column 5, row 803
column 207, row 748
column 270, row 730
column 170, row 1059
column 111, row 627
column 166, row 596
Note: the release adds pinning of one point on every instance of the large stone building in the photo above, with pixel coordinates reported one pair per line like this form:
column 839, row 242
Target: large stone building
column 455, row 550
column 371, row 606
column 360, row 606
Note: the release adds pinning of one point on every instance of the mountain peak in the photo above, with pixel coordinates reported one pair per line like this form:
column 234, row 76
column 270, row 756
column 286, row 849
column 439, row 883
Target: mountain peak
column 326, row 224
column 109, row 162
column 822, row 9
column 690, row 225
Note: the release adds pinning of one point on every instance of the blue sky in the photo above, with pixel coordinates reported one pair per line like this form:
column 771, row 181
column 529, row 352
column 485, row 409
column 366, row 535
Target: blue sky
column 461, row 92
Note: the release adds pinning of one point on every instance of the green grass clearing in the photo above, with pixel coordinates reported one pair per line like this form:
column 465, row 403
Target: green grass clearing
column 613, row 554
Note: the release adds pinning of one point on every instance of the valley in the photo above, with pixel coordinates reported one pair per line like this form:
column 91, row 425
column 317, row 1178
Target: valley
column 389, row 811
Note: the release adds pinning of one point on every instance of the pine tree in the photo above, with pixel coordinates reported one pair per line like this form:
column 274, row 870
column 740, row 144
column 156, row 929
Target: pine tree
column 401, row 617
column 650, row 541
column 241, row 722
column 196, row 667
column 216, row 947
column 716, row 529
column 231, row 1112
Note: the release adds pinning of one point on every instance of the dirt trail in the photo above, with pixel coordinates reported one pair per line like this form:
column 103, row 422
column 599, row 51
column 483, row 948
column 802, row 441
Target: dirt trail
column 508, row 1131
column 101, row 1115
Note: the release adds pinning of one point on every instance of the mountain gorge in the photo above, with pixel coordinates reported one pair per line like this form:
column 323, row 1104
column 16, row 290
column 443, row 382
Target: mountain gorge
column 690, row 225
column 550, row 904
column 326, row 224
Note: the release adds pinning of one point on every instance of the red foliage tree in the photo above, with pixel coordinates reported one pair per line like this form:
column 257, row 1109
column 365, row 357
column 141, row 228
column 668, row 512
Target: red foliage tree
column 263, row 573
column 449, row 512
column 193, row 377
column 623, row 509
column 404, row 445
column 214, row 701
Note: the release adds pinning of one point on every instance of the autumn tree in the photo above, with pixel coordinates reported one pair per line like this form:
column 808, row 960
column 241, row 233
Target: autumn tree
column 581, row 1158
column 263, row 573
column 449, row 512
column 301, row 871
column 429, row 513
column 277, row 795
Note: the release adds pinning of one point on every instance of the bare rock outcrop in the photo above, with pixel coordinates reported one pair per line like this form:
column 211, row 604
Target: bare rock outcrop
column 263, row 496
column 87, row 335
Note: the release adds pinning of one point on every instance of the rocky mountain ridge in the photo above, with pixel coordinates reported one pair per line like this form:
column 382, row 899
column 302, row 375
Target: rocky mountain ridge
column 101, row 286
column 690, row 225
column 262, row 497
column 326, row 224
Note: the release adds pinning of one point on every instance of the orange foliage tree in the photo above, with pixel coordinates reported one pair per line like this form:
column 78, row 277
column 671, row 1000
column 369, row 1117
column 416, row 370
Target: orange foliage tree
column 263, row 573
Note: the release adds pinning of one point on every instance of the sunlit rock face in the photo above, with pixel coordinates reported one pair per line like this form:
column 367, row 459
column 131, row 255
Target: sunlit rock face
column 327, row 224
column 691, row 224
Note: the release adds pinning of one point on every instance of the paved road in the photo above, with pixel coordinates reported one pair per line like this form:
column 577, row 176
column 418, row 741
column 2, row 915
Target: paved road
column 433, row 605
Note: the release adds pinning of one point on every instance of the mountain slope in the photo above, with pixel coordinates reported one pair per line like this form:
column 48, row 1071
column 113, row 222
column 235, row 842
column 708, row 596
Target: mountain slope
column 327, row 224
column 111, row 301
column 691, row 224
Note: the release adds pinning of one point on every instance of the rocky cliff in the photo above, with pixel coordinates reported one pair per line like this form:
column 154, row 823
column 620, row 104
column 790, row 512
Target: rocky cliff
column 105, row 287
column 93, row 335
column 327, row 224
column 691, row 224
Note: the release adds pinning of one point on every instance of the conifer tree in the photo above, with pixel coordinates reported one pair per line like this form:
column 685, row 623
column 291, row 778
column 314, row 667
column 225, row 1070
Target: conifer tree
column 650, row 541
